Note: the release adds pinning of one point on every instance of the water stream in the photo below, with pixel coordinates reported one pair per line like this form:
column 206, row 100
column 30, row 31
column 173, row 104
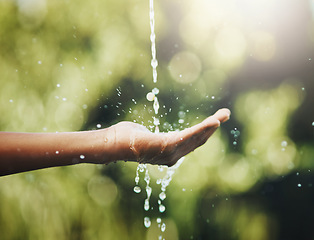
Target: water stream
column 141, row 168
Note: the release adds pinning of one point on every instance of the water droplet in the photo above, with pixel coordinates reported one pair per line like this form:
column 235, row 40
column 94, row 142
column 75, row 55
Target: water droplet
column 11, row 100
column 141, row 167
column 148, row 190
column 162, row 208
column 39, row 62
column 99, row 126
column 137, row 178
column 284, row 144
column 137, row 189
column 313, row 124
column 158, row 220
column 234, row 143
column 147, row 222
column 163, row 227
column 162, row 195
column 58, row 85
column 181, row 121
column 57, row 152
column 146, row 204
column 82, row 156
column 64, row 99
column 235, row 133
column 299, row 185
column 181, row 114
column 156, row 105
column 150, row 96
column 213, row 97
column 155, row 91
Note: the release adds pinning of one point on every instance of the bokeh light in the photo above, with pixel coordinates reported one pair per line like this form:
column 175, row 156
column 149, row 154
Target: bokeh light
column 70, row 66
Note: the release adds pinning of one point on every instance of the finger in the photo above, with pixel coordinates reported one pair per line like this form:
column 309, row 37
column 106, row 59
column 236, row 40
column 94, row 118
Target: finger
column 222, row 114
column 208, row 126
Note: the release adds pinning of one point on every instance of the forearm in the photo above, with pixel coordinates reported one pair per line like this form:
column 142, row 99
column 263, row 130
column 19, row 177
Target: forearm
column 21, row 152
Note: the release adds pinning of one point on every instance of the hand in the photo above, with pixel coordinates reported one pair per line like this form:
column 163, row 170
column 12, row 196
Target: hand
column 20, row 152
column 137, row 143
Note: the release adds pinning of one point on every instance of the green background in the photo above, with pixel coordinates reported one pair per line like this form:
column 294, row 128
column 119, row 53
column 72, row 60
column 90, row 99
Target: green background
column 71, row 65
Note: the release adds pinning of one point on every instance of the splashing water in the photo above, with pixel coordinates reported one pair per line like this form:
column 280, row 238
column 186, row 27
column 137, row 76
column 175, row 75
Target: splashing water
column 140, row 168
column 152, row 97
column 164, row 182
column 148, row 189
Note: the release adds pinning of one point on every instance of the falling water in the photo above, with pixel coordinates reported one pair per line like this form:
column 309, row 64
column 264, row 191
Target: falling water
column 152, row 97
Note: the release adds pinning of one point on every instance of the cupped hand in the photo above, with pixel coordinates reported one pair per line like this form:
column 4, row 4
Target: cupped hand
column 141, row 145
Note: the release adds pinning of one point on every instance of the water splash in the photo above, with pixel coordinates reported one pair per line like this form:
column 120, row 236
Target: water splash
column 137, row 188
column 152, row 97
column 148, row 189
column 164, row 182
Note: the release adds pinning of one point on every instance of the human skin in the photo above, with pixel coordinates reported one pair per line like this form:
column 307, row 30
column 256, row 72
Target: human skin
column 127, row 141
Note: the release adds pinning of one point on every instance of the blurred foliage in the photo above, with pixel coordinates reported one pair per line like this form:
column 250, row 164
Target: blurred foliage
column 68, row 66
